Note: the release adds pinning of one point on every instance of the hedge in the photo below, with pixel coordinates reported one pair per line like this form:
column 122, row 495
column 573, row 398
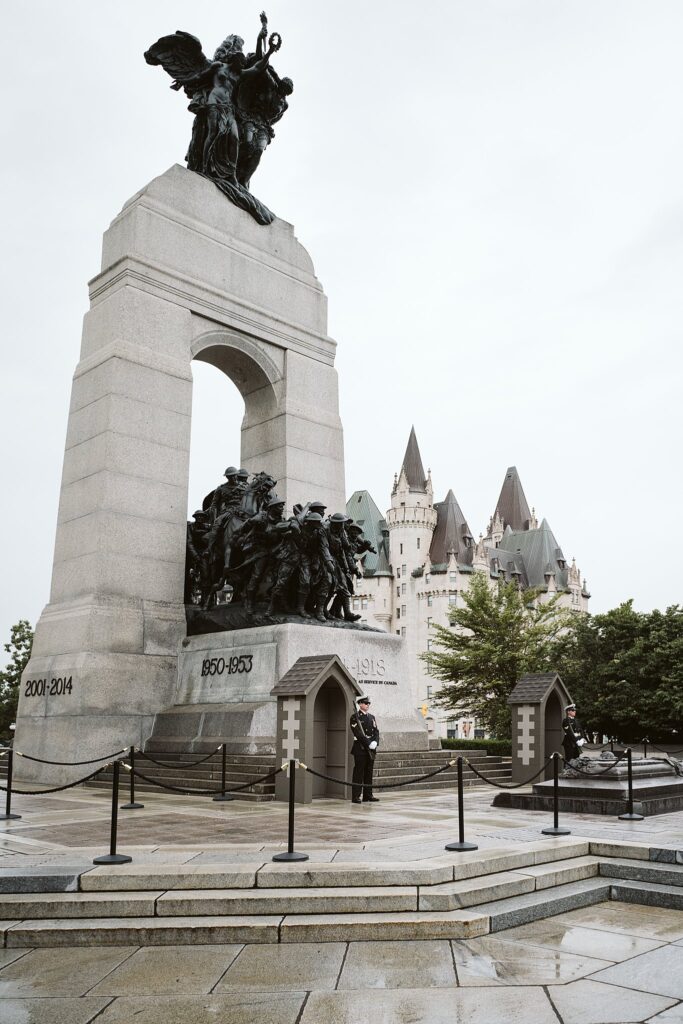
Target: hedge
column 503, row 748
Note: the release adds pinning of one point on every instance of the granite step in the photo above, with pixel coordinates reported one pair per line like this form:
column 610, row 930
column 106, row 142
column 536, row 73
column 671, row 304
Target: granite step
column 648, row 894
column 543, row 903
column 141, row 931
column 310, row 874
column 643, row 871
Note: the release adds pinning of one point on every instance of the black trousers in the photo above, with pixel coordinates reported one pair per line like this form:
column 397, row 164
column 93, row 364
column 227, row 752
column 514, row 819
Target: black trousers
column 363, row 766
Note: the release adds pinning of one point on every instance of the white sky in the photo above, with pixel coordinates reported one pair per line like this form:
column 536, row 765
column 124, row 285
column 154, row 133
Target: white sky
column 491, row 194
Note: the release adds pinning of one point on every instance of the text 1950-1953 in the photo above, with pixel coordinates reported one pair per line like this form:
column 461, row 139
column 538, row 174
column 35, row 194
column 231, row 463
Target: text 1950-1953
column 231, row 666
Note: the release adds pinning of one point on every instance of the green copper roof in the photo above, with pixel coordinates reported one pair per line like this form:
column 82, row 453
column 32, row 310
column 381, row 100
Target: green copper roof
column 362, row 509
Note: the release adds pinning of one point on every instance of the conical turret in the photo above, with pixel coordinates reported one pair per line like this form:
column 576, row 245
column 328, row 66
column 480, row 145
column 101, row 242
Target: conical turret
column 512, row 506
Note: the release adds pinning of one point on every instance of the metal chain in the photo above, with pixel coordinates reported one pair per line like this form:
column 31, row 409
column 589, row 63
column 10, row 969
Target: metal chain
column 57, row 789
column 517, row 785
column 179, row 764
column 386, row 785
column 201, row 792
column 72, row 764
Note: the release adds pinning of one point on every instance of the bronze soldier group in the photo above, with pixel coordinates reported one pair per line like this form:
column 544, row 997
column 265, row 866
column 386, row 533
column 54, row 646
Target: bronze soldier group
column 241, row 547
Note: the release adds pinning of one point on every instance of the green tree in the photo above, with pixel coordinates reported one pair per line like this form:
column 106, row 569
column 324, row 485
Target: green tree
column 19, row 649
column 500, row 634
column 625, row 671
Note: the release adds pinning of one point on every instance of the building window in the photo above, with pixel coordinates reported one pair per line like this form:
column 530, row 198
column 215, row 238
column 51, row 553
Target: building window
column 398, row 613
column 403, row 610
column 428, row 578
column 429, row 645
column 452, row 576
column 429, row 693
column 403, row 630
column 429, row 622
column 401, row 549
column 398, row 573
column 452, row 598
column 403, row 569
column 363, row 602
column 418, row 543
column 398, row 632
column 403, row 588
column 398, row 591
column 355, row 604
column 430, row 600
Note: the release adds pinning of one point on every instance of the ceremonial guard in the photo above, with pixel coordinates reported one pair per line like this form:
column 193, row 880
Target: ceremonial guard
column 573, row 739
column 364, row 750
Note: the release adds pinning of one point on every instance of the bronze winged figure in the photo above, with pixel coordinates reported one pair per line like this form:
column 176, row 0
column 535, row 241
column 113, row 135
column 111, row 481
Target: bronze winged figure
column 236, row 98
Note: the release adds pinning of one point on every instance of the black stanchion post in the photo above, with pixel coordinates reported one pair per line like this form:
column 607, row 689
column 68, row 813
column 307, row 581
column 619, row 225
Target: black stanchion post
column 113, row 857
column 461, row 844
column 645, row 741
column 291, row 853
column 630, row 816
column 131, row 805
column 611, row 743
column 223, row 795
column 556, row 830
column 8, row 799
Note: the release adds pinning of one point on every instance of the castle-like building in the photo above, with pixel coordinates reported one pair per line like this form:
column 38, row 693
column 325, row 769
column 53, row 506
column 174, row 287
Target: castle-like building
column 426, row 555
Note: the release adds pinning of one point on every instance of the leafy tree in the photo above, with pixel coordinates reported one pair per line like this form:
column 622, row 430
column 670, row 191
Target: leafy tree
column 500, row 634
column 625, row 671
column 19, row 648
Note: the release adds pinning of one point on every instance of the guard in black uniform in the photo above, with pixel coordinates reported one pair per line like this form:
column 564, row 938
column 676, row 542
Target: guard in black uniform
column 365, row 741
column 573, row 739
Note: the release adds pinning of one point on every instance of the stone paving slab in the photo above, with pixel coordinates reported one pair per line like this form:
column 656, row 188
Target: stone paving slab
column 70, row 972
column 591, row 1002
column 233, row 1008
column 296, row 966
column 660, row 972
column 166, row 970
column 419, row 1006
column 51, row 1011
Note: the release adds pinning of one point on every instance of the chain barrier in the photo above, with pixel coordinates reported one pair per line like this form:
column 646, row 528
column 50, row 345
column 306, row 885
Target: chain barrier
column 671, row 753
column 72, row 764
column 201, row 792
column 594, row 775
column 386, row 785
column 56, row 789
column 516, row 785
column 178, row 764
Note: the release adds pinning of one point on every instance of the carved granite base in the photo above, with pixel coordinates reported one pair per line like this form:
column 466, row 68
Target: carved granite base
column 225, row 683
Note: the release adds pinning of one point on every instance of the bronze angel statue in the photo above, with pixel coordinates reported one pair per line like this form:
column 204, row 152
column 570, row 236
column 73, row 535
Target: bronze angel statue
column 236, row 98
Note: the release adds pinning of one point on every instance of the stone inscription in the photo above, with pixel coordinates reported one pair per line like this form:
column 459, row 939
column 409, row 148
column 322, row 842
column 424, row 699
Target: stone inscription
column 55, row 687
column 217, row 666
column 369, row 671
column 226, row 674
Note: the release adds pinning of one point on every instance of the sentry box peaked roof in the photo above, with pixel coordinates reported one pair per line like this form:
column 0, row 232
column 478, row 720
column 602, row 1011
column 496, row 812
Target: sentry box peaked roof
column 534, row 688
column 306, row 674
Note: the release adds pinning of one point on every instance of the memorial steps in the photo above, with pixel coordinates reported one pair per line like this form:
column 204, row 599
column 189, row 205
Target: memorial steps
column 454, row 896
column 391, row 767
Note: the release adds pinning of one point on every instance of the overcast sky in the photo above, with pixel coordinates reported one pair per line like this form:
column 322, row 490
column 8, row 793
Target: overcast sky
column 490, row 191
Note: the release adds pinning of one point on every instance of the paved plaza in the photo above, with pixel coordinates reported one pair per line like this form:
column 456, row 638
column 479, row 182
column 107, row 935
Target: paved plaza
column 610, row 963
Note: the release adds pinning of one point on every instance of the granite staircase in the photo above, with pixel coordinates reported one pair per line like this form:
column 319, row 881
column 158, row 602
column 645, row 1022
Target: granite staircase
column 451, row 896
column 391, row 767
